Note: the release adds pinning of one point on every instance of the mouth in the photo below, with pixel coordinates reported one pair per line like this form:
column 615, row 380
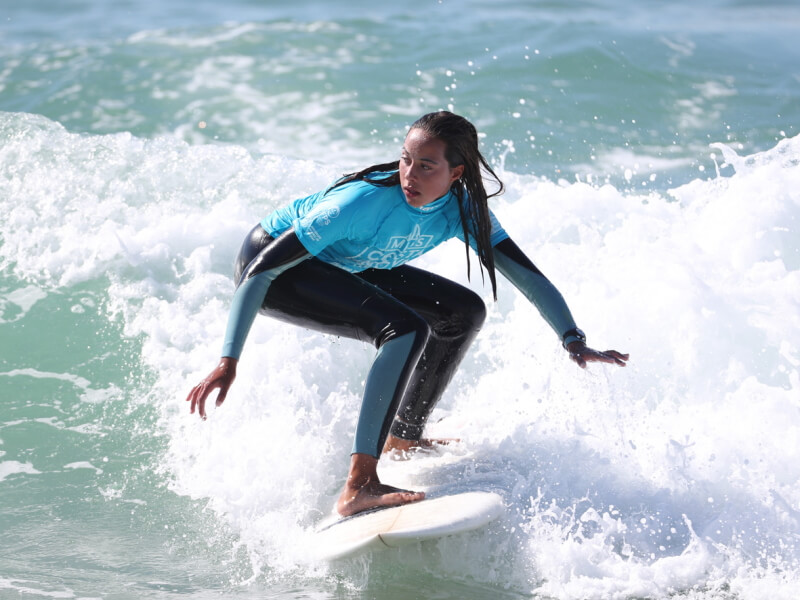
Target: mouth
column 410, row 192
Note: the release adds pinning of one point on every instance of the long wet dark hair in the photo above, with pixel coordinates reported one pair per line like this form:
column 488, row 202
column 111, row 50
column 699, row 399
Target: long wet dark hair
column 461, row 148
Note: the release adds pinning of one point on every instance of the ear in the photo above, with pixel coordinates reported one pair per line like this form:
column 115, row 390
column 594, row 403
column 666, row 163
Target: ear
column 456, row 173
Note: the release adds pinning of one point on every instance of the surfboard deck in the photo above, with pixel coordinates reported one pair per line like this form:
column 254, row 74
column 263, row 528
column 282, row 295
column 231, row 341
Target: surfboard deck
column 396, row 526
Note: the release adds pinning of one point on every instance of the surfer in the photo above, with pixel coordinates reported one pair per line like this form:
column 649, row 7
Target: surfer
column 335, row 262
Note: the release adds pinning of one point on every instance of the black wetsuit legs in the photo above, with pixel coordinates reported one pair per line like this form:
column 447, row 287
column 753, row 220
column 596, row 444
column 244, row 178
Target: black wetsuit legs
column 377, row 306
column 454, row 314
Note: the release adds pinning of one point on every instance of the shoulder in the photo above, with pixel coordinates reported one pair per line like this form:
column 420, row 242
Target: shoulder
column 360, row 198
column 349, row 208
column 353, row 191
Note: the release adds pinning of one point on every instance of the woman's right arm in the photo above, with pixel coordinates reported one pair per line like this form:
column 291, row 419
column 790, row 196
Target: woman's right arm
column 280, row 255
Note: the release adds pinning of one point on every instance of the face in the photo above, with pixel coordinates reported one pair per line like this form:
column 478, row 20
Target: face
column 425, row 175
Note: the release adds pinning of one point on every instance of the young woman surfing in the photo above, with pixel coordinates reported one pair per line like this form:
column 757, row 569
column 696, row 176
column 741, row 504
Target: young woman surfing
column 336, row 261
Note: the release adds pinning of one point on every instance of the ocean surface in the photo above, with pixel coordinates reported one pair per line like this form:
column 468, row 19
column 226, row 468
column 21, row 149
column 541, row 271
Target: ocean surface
column 651, row 153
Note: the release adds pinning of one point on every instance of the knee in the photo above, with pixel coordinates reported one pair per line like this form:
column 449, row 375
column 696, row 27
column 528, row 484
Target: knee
column 466, row 317
column 474, row 310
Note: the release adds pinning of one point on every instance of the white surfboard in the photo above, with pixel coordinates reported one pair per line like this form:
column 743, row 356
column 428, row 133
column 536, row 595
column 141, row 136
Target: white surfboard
column 399, row 525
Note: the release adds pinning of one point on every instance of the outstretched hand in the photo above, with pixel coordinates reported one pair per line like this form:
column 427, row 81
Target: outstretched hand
column 581, row 354
column 220, row 378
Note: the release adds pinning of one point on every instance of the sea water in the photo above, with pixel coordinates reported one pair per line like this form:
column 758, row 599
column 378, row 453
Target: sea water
column 651, row 157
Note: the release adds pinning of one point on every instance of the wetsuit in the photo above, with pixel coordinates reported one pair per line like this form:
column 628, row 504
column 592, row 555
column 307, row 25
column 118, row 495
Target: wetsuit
column 335, row 262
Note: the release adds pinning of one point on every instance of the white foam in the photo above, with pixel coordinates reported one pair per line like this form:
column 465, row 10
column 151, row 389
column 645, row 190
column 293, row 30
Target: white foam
column 22, row 298
column 14, row 467
column 671, row 474
column 225, row 33
column 76, row 380
column 83, row 464
column 24, row 587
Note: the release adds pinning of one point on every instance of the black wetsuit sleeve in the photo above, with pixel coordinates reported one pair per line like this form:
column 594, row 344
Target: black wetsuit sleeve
column 275, row 258
column 515, row 266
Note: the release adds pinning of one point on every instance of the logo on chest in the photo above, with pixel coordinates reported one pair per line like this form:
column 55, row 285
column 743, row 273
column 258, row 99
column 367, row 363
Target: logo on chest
column 415, row 242
column 399, row 249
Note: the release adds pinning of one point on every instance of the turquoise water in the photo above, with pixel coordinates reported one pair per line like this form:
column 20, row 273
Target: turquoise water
column 652, row 161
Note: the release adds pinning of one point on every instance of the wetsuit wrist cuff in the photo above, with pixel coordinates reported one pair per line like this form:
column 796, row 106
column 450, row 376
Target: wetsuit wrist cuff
column 573, row 335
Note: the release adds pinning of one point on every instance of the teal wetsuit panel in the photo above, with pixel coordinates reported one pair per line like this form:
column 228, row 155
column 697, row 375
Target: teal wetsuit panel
column 539, row 291
column 380, row 390
column 247, row 299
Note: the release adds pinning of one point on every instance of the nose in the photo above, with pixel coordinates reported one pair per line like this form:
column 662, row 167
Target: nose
column 412, row 171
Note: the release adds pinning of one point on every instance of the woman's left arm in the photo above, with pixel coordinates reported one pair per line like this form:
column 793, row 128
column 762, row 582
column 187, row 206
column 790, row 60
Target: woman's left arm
column 519, row 270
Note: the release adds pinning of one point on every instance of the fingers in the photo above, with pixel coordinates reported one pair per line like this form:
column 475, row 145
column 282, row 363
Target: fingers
column 223, row 391
column 588, row 355
column 608, row 357
column 197, row 397
column 201, row 401
column 192, row 397
column 617, row 357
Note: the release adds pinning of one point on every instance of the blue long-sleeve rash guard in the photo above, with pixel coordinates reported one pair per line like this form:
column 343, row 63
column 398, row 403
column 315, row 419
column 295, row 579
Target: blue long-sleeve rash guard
column 358, row 226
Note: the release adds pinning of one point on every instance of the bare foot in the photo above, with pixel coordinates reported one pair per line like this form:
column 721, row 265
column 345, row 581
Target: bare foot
column 374, row 495
column 396, row 443
column 363, row 490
